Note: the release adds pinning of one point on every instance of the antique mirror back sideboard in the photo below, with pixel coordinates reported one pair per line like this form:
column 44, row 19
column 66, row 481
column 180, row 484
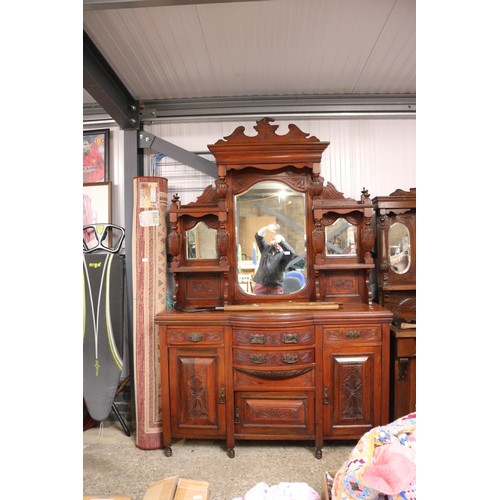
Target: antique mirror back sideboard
column 305, row 360
column 396, row 251
column 396, row 270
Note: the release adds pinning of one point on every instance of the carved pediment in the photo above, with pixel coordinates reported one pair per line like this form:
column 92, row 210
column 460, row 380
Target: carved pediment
column 267, row 132
column 401, row 192
column 330, row 192
column 208, row 197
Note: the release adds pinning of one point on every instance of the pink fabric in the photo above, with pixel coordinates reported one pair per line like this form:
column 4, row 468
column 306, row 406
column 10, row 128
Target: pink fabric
column 393, row 468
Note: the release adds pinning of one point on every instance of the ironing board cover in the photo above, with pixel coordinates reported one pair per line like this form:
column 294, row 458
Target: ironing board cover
column 103, row 339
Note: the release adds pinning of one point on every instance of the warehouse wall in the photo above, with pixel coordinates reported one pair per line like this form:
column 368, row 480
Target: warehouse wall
column 378, row 154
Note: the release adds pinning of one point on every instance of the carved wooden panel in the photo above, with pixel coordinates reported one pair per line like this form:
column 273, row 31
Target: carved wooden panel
column 202, row 287
column 401, row 303
column 341, row 284
column 274, row 413
column 350, row 392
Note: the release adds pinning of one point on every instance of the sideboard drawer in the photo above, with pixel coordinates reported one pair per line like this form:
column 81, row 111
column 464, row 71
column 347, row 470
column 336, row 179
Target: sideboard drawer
column 406, row 348
column 195, row 335
column 276, row 415
column 353, row 333
column 275, row 337
column 273, row 358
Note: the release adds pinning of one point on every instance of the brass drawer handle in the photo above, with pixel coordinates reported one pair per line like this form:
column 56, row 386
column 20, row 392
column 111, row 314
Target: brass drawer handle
column 257, row 358
column 290, row 358
column 195, row 337
column 257, row 339
column 354, row 334
column 290, row 338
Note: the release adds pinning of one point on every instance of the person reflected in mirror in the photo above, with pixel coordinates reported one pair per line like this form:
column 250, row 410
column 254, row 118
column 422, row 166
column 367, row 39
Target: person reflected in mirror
column 274, row 257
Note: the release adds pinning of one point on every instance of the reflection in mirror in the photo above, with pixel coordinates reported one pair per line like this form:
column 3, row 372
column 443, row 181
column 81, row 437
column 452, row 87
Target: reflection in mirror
column 341, row 238
column 267, row 212
column 201, row 242
column 399, row 248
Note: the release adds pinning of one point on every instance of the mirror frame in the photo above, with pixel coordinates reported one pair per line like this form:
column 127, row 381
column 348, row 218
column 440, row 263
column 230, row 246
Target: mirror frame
column 295, row 182
column 408, row 252
column 214, row 242
column 293, row 179
column 293, row 159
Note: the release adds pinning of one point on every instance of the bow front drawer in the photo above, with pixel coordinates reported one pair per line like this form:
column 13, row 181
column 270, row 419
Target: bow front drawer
column 273, row 358
column 276, row 337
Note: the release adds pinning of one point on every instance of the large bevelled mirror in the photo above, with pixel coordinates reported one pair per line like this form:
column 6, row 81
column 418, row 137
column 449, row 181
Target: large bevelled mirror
column 399, row 248
column 201, row 242
column 270, row 239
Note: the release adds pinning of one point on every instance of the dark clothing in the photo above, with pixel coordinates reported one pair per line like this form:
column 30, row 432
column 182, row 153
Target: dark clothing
column 260, row 289
column 272, row 262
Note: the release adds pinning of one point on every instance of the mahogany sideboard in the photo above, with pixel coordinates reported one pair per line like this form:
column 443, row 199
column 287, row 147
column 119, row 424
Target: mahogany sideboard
column 309, row 361
column 276, row 375
column 396, row 270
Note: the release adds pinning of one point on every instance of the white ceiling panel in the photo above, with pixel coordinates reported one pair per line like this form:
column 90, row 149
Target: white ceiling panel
column 259, row 48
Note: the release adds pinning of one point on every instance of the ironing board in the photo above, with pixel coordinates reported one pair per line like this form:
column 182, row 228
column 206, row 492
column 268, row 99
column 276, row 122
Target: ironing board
column 103, row 321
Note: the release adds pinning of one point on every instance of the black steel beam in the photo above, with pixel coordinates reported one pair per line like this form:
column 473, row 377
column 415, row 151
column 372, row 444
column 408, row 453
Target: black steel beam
column 102, row 83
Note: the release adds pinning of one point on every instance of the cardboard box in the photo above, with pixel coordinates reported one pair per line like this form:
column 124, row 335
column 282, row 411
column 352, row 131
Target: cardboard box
column 105, row 497
column 325, row 490
column 173, row 488
column 187, row 489
column 162, row 490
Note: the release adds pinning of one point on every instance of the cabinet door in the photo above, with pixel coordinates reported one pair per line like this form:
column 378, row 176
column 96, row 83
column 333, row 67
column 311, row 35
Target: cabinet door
column 351, row 394
column 197, row 392
column 404, row 387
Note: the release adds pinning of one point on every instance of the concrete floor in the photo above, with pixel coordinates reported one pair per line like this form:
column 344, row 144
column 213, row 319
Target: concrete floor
column 112, row 463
